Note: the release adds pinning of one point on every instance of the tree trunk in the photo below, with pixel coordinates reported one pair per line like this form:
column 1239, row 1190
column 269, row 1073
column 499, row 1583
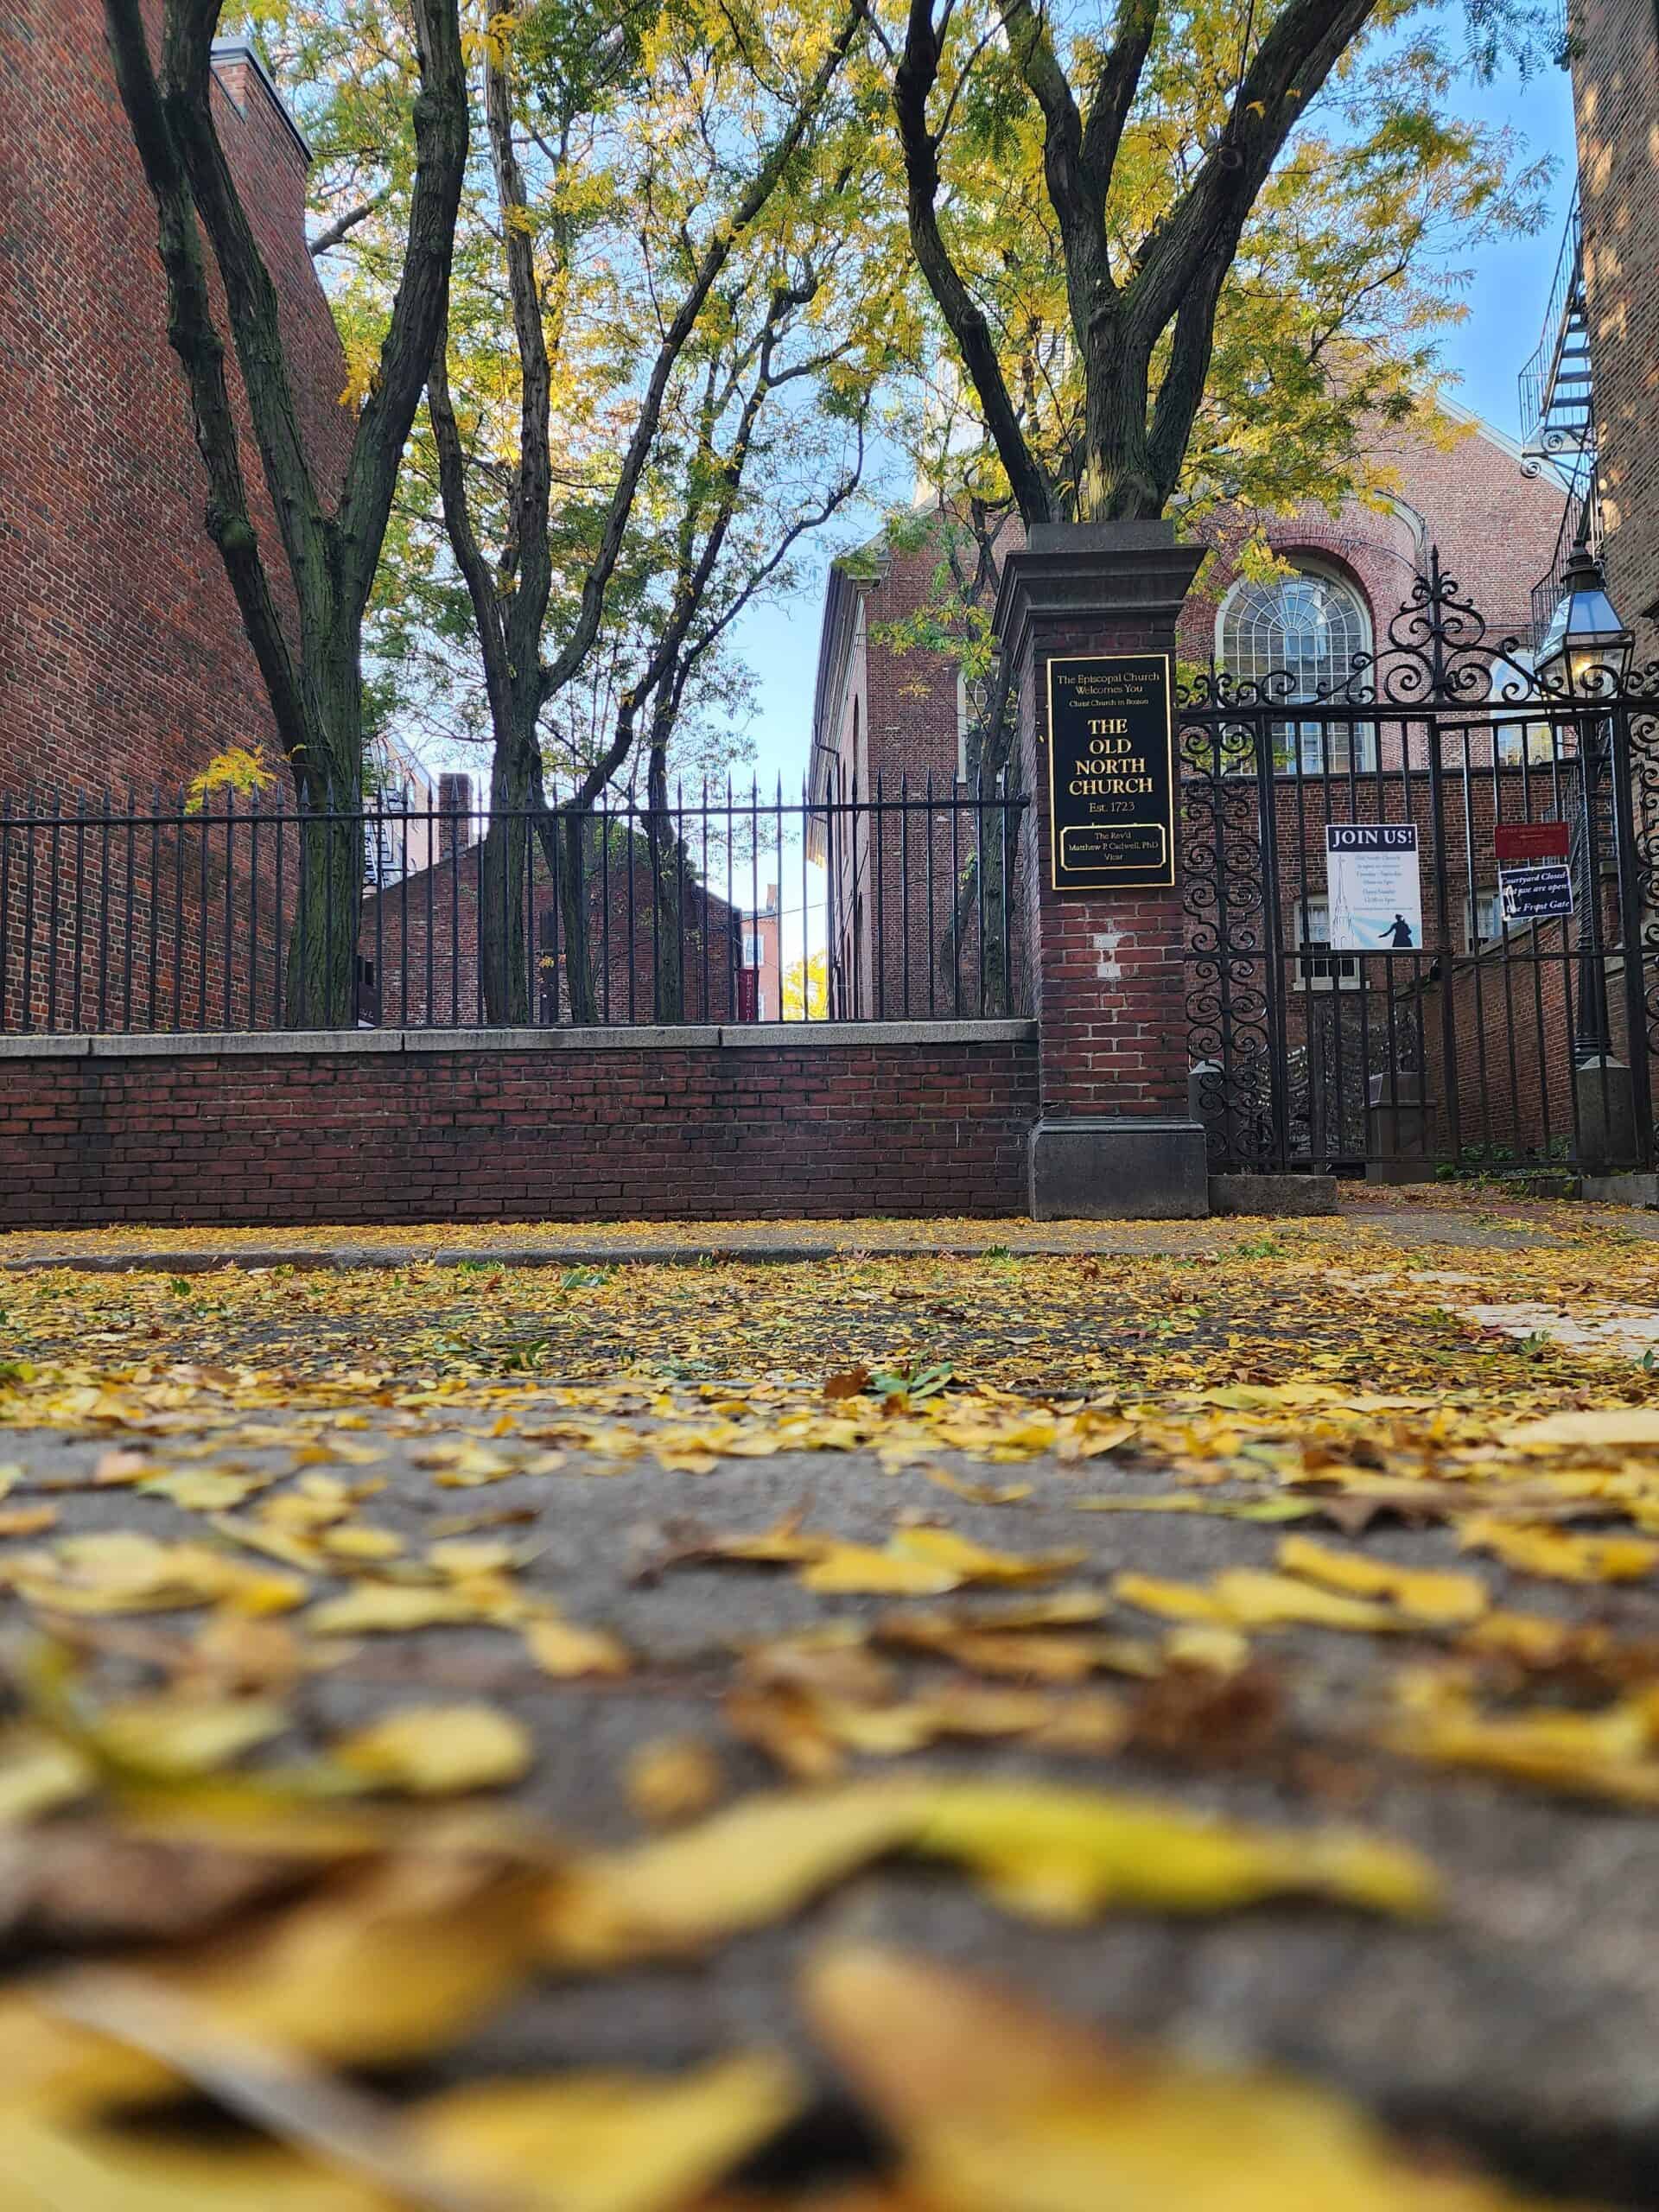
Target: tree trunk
column 668, row 964
column 1115, row 479
column 328, row 904
column 503, row 920
column 573, row 911
column 322, row 945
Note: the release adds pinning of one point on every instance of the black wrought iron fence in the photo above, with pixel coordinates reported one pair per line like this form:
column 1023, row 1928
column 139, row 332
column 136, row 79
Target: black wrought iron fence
column 243, row 912
column 1509, row 1013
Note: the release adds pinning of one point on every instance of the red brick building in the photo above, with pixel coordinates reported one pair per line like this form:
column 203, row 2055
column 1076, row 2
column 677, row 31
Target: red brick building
column 122, row 655
column 124, row 667
column 1600, row 348
column 418, row 963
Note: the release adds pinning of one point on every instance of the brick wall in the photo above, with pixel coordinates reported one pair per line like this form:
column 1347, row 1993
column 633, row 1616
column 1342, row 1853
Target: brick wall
column 1494, row 528
column 592, row 1127
column 122, row 656
column 1616, row 99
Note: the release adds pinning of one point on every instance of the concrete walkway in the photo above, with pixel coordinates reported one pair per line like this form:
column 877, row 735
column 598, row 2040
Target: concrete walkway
column 1480, row 1218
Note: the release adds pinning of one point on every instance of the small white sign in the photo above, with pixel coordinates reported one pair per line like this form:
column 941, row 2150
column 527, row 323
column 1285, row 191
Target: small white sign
column 1540, row 893
column 1374, row 881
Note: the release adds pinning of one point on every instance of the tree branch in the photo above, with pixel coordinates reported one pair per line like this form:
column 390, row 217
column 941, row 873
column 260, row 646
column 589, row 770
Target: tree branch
column 202, row 355
column 1115, row 88
column 715, row 257
column 463, row 539
column 187, row 73
column 422, row 304
column 342, row 226
column 1290, row 67
column 532, row 489
column 914, row 81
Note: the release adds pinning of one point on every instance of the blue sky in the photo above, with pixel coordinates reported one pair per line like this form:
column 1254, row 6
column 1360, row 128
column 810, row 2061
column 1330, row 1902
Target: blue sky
column 1507, row 290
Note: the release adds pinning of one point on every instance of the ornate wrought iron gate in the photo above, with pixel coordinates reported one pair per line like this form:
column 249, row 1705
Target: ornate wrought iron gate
column 1491, row 1036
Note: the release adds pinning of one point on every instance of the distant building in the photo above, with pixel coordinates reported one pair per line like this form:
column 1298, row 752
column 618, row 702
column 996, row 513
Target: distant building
column 761, row 984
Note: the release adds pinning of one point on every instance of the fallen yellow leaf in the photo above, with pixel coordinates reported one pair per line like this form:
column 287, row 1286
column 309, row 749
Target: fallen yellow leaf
column 673, row 1778
column 1560, row 1554
column 437, row 1751
column 381, row 1966
column 996, row 2107
column 1064, row 1854
column 1439, row 1599
column 563, row 1648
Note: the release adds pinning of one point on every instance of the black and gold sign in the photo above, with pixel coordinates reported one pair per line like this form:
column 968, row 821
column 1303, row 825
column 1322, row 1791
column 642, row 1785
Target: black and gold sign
column 1111, row 773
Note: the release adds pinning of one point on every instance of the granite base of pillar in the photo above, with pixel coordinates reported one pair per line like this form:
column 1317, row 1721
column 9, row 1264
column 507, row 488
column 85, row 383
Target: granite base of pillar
column 1277, row 1195
column 1635, row 1189
column 1101, row 1167
column 1400, row 1129
column 1606, row 1101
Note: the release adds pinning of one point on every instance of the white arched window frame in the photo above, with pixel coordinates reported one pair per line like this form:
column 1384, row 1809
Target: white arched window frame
column 1313, row 625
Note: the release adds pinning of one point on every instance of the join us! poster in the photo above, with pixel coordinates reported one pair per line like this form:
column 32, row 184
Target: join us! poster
column 1374, row 882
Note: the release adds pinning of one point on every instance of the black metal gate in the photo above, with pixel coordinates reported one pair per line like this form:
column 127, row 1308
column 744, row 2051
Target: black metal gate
column 1493, row 1037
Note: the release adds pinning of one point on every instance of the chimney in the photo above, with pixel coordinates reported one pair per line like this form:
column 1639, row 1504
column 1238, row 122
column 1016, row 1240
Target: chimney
column 456, row 811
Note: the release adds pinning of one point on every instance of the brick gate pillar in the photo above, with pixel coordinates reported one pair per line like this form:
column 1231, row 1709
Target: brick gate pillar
column 1085, row 617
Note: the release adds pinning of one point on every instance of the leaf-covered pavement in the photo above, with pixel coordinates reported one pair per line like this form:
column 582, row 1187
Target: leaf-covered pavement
column 615, row 1699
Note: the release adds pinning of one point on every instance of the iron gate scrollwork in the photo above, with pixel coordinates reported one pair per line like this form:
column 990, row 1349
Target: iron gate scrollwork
column 1498, row 1039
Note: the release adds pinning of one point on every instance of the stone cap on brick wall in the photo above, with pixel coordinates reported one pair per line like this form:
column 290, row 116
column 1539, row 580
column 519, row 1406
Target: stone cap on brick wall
column 685, row 1038
column 238, row 54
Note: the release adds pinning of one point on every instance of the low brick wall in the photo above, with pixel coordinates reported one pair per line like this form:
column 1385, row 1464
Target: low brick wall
column 393, row 1126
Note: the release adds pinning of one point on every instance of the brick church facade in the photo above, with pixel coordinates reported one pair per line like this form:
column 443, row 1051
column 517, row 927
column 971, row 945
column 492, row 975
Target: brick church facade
column 122, row 655
column 897, row 720
column 895, row 725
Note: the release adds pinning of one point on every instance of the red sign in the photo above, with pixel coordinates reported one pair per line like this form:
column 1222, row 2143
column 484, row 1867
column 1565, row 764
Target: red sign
column 1520, row 841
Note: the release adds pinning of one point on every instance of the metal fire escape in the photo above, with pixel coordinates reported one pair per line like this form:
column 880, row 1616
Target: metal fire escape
column 1557, row 421
column 1558, row 416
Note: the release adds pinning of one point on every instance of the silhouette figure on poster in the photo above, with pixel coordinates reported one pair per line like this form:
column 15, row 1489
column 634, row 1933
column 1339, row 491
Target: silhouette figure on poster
column 1400, row 935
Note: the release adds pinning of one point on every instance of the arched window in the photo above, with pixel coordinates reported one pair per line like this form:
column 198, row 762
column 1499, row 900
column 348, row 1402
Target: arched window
column 1310, row 628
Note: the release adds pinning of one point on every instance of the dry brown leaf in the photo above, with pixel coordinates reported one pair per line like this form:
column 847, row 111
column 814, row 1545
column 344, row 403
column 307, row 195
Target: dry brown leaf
column 849, row 1384
column 1213, row 1714
column 380, row 1965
